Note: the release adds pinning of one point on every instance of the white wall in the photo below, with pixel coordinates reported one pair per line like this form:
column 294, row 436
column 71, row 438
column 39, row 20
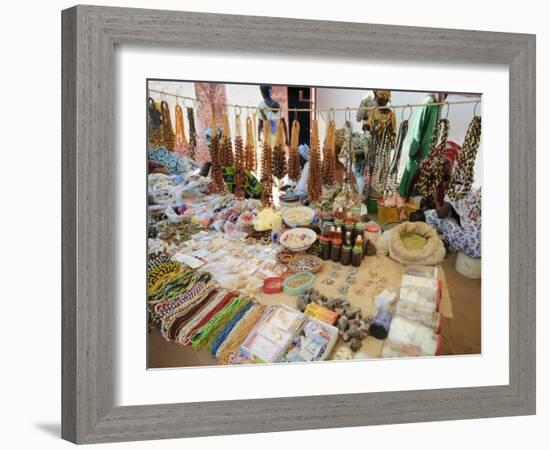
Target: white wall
column 31, row 289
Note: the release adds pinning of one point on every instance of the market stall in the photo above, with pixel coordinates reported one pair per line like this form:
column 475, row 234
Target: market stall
column 261, row 259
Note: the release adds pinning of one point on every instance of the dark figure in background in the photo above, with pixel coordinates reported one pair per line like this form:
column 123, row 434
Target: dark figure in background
column 269, row 109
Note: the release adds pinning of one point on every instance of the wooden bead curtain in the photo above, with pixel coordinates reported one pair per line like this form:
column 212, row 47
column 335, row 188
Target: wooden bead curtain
column 329, row 154
column 293, row 156
column 168, row 137
column 239, row 174
column 433, row 164
column 314, row 186
column 267, row 176
column 250, row 148
column 463, row 173
column 279, row 155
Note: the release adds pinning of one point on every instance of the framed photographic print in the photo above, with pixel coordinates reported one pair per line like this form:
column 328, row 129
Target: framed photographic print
column 268, row 230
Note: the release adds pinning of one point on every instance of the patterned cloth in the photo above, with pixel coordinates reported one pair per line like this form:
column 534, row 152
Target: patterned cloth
column 466, row 236
column 173, row 162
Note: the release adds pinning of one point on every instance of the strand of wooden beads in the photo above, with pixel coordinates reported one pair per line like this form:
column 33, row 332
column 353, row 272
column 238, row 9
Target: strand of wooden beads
column 267, row 176
column 329, row 154
column 279, row 157
column 250, row 148
column 463, row 173
column 314, row 186
column 239, row 176
column 227, row 147
column 294, row 170
column 217, row 184
column 181, row 145
column 192, row 133
column 432, row 166
column 167, row 130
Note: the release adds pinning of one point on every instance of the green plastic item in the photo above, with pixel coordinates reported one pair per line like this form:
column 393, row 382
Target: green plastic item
column 298, row 290
column 372, row 206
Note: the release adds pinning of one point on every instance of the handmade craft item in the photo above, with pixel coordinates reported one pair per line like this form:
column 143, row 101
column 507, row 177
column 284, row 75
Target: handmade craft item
column 250, row 148
column 181, row 144
column 168, row 137
column 463, row 173
column 239, row 174
column 155, row 124
column 294, row 170
column 226, row 145
column 390, row 184
column 382, row 159
column 433, row 165
column 217, row 184
column 192, row 133
column 314, row 182
column 305, row 263
column 329, row 155
column 267, row 175
column 279, row 156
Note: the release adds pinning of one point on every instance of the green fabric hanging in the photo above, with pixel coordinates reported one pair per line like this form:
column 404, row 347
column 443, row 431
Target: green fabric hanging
column 420, row 141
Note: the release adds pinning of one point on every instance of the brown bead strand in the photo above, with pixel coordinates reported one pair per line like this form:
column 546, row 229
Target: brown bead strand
column 227, row 147
column 279, row 157
column 314, row 186
column 463, row 173
column 181, row 140
column 294, row 170
column 432, row 166
column 249, row 148
column 168, row 137
column 239, row 175
column 267, row 176
column 217, row 184
column 192, row 133
column 329, row 155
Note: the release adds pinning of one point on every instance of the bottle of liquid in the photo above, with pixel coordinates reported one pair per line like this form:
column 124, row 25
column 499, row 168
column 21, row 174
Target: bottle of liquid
column 345, row 257
column 336, row 246
column 357, row 252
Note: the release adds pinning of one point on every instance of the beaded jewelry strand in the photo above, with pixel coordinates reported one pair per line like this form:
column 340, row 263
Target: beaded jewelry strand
column 226, row 146
column 181, row 144
column 250, row 148
column 293, row 156
column 217, row 184
column 192, row 133
column 167, row 130
column 329, row 155
column 267, row 177
column 314, row 175
column 433, row 165
column 463, row 173
column 279, row 157
column 239, row 174
column 391, row 183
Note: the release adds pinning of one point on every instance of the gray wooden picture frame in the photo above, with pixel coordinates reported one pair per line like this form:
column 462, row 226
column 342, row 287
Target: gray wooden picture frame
column 90, row 34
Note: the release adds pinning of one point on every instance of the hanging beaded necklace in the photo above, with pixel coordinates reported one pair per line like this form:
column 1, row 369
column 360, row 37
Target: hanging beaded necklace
column 279, row 157
column 329, row 154
column 217, row 184
column 181, row 144
column 463, row 173
column 226, row 146
column 382, row 159
column 239, row 175
column 192, row 133
column 249, row 148
column 267, row 176
column 293, row 156
column 433, row 165
column 391, row 184
column 167, row 130
column 314, row 186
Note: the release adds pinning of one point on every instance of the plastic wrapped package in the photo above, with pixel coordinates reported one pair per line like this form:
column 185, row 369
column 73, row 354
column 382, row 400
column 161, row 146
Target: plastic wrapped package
column 422, row 271
column 420, row 290
column 410, row 333
column 418, row 313
column 392, row 349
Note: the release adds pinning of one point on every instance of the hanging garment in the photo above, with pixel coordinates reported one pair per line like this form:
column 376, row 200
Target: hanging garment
column 420, row 141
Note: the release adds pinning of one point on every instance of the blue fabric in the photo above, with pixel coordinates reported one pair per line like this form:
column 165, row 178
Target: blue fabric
column 173, row 162
column 223, row 335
